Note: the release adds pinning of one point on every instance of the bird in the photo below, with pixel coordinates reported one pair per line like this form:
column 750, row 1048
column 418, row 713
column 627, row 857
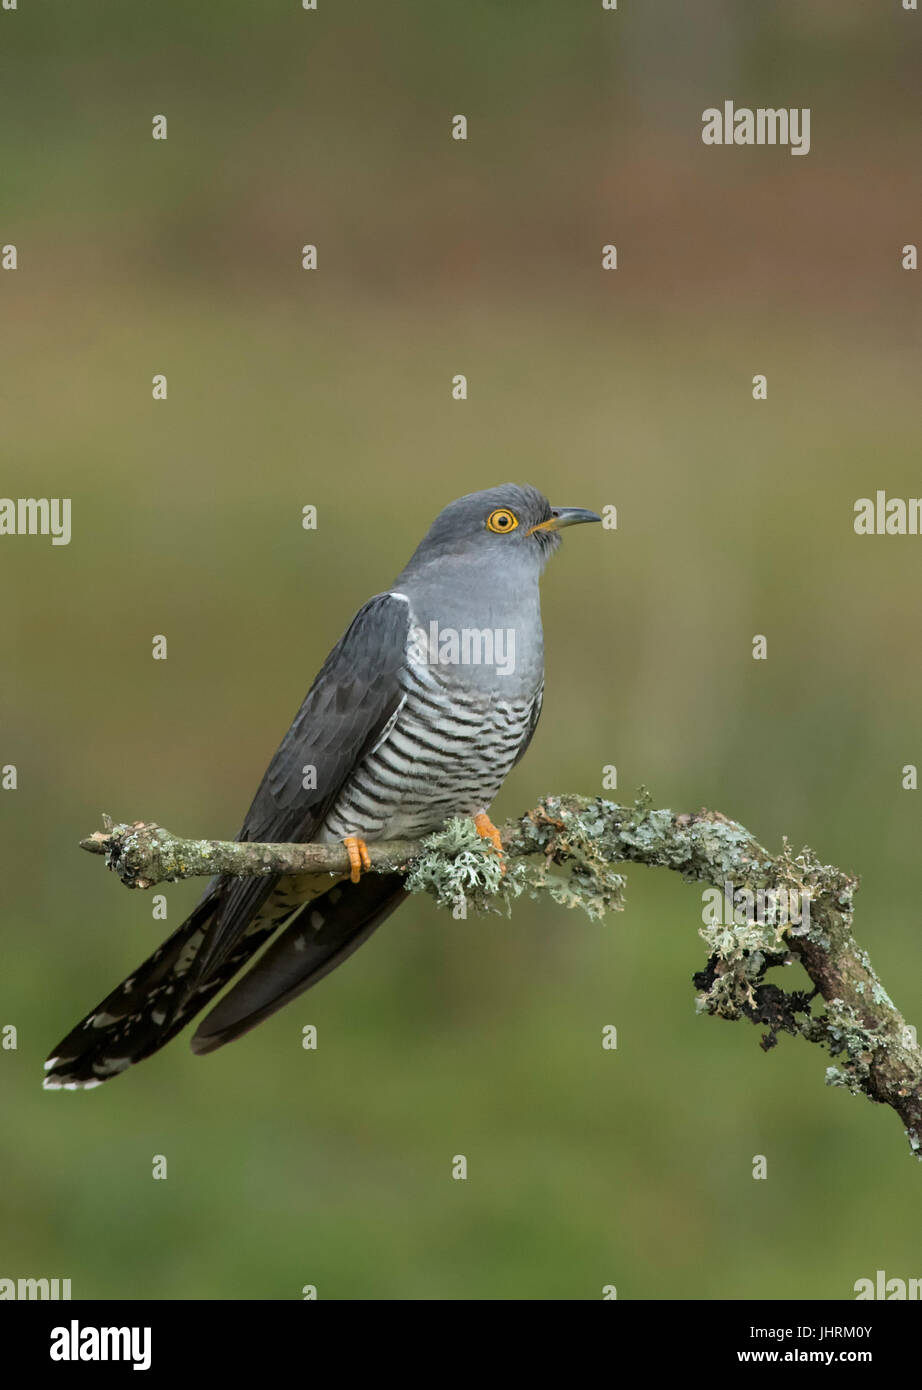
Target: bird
column 406, row 725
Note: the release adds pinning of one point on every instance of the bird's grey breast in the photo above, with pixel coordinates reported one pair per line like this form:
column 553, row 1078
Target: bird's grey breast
column 466, row 710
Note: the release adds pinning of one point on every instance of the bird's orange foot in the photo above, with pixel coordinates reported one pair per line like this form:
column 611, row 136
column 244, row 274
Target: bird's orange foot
column 488, row 831
column 359, row 858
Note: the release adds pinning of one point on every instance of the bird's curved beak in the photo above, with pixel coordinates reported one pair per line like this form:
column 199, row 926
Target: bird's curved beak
column 565, row 516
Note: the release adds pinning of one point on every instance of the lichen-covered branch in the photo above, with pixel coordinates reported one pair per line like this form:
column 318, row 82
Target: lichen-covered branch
column 144, row 854
column 568, row 846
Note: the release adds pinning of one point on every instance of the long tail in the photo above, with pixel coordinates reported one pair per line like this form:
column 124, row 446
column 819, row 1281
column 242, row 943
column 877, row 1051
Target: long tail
column 149, row 1008
column 319, row 940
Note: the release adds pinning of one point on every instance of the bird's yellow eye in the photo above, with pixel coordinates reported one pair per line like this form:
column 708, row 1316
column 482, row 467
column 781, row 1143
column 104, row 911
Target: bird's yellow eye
column 502, row 520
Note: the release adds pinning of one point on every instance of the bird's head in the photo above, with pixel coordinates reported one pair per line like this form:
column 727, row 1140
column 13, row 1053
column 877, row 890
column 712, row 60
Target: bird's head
column 513, row 523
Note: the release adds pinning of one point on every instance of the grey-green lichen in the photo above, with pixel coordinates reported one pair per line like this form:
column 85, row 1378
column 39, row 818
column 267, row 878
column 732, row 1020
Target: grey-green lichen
column 459, row 867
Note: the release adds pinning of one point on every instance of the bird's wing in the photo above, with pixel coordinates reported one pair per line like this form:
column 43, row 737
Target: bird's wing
column 343, row 716
column 356, row 694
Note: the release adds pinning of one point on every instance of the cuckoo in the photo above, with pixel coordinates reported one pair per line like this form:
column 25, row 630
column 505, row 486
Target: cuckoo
column 418, row 714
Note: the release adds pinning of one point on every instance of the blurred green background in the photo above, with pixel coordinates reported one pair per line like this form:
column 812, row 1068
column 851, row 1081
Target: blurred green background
column 333, row 387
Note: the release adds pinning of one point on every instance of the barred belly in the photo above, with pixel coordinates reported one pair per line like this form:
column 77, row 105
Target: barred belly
column 446, row 753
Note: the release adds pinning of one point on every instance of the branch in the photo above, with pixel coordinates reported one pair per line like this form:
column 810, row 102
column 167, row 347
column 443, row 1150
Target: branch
column 144, row 854
column 874, row 1049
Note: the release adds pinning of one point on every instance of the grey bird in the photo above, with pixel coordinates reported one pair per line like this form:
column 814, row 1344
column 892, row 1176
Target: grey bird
column 418, row 714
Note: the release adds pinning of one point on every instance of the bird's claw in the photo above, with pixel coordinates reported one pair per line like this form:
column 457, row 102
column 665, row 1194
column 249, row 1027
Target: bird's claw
column 488, row 831
column 359, row 858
